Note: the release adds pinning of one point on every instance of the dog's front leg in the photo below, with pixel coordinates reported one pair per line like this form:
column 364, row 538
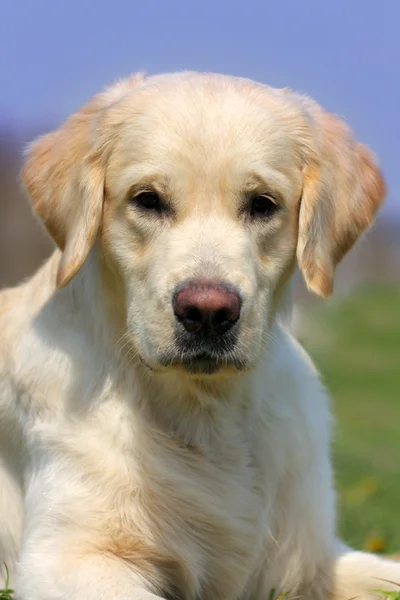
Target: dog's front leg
column 359, row 573
column 350, row 574
column 88, row 577
column 353, row 574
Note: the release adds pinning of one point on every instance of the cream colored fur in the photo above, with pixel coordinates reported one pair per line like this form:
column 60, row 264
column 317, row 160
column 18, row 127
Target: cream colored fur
column 123, row 478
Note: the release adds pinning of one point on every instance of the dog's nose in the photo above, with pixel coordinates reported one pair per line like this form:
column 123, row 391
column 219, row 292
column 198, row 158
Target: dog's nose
column 207, row 308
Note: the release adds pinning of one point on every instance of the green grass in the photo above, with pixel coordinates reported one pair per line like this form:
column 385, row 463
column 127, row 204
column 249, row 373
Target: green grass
column 387, row 595
column 356, row 346
column 7, row 592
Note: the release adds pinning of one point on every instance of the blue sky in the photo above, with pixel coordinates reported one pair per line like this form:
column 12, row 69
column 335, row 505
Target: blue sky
column 344, row 53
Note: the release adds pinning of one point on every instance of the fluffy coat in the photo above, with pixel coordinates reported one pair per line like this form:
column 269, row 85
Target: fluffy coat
column 122, row 475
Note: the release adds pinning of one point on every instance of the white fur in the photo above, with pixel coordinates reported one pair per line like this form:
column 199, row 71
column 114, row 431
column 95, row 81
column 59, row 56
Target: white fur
column 120, row 483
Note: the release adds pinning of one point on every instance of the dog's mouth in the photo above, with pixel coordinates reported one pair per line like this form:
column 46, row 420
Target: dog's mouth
column 204, row 364
column 204, row 357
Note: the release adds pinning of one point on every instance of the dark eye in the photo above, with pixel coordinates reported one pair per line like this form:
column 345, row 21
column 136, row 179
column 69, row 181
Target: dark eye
column 149, row 201
column 263, row 206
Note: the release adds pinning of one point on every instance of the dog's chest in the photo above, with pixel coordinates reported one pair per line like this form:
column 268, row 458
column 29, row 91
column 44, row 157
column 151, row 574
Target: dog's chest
column 206, row 510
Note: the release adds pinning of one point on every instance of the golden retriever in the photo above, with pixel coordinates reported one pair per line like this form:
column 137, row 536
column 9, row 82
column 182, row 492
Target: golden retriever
column 162, row 435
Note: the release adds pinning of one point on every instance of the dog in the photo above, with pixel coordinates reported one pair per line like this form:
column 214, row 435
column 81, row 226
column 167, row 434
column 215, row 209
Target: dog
column 162, row 434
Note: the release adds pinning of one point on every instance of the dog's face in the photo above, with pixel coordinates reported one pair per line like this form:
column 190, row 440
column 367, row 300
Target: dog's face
column 200, row 218
column 201, row 190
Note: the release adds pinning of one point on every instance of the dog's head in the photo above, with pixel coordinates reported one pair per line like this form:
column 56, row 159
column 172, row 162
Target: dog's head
column 201, row 191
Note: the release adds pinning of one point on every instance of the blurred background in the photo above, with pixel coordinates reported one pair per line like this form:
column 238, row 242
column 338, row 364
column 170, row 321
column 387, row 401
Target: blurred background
column 55, row 55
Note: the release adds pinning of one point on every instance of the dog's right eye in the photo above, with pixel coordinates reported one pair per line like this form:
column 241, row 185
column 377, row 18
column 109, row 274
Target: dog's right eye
column 148, row 200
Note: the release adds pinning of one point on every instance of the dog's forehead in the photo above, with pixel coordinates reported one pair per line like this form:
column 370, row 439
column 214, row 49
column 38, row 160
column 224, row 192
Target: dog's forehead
column 209, row 118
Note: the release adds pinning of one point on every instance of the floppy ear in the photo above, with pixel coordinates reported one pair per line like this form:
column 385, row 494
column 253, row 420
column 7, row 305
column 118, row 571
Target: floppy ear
column 342, row 190
column 65, row 183
column 64, row 177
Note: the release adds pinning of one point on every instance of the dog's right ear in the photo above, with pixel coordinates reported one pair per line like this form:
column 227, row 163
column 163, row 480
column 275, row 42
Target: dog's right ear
column 65, row 183
column 64, row 177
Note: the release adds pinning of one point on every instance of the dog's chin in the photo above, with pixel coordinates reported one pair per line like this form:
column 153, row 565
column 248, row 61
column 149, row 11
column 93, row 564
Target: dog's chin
column 202, row 366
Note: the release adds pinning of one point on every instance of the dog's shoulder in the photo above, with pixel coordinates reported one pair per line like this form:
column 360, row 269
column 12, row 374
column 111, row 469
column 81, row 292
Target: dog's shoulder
column 19, row 304
column 26, row 356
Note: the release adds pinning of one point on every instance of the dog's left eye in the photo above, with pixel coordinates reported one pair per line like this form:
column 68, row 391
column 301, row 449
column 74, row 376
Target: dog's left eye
column 263, row 206
column 149, row 201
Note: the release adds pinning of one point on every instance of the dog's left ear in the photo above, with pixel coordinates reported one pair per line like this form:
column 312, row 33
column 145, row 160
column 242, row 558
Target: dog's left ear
column 64, row 177
column 342, row 190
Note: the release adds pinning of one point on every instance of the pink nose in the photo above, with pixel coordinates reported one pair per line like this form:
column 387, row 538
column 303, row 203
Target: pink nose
column 207, row 307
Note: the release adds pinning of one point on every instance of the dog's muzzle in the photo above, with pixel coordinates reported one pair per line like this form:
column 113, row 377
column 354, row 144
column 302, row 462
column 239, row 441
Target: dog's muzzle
column 207, row 315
